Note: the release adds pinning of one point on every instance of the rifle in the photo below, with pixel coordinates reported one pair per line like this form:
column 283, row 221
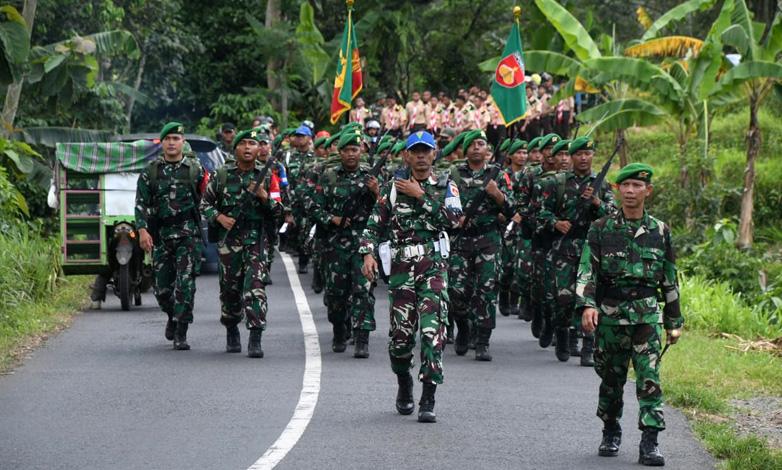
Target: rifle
column 351, row 206
column 583, row 205
column 472, row 207
column 247, row 196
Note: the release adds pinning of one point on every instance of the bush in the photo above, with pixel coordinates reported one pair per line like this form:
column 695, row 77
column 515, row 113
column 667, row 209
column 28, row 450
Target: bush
column 28, row 268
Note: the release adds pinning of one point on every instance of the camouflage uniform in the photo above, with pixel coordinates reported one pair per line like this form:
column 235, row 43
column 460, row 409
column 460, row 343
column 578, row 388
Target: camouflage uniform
column 475, row 260
column 242, row 251
column 510, row 246
column 524, row 261
column 173, row 204
column 348, row 294
column 624, row 267
column 418, row 284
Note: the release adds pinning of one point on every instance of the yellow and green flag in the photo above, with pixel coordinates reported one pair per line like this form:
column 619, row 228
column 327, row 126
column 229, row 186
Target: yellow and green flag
column 508, row 89
column 348, row 82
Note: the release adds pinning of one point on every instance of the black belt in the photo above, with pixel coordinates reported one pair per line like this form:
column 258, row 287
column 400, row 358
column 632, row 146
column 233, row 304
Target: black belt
column 476, row 231
column 629, row 293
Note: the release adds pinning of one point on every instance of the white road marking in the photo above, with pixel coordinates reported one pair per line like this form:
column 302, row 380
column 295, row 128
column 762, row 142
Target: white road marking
column 310, row 388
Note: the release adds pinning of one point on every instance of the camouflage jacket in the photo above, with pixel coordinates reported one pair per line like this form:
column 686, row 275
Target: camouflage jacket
column 172, row 200
column 526, row 180
column 471, row 183
column 230, row 201
column 626, row 265
column 336, row 186
column 411, row 221
column 561, row 200
column 296, row 163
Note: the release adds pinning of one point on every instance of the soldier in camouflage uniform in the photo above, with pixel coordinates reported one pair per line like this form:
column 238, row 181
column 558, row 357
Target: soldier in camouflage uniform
column 415, row 211
column 300, row 157
column 241, row 210
column 278, row 190
column 511, row 231
column 348, row 293
column 627, row 265
column 474, row 264
column 568, row 208
column 167, row 197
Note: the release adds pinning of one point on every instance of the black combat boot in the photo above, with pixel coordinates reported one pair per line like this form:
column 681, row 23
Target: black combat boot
column 587, row 351
column 612, row 439
column 648, row 453
column 514, row 303
column 449, row 334
column 561, row 350
column 338, row 344
column 547, row 333
column 462, row 336
column 348, row 335
column 361, row 350
column 482, row 345
column 317, row 281
column 404, row 396
column 537, row 323
column 170, row 328
column 303, row 261
column 233, row 341
column 573, row 338
column 254, row 345
column 473, row 336
column 426, row 405
column 180, row 337
column 504, row 303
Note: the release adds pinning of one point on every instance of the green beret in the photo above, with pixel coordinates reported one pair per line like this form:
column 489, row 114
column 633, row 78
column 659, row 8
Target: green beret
column 471, row 137
column 398, row 147
column 287, row 132
column 330, row 141
column 172, row 128
column 384, row 145
column 549, row 139
column 533, row 144
column 505, row 144
column 453, row 144
column 561, row 146
column 516, row 146
column 636, row 171
column 352, row 125
column 349, row 138
column 263, row 134
column 251, row 134
column 319, row 141
column 581, row 143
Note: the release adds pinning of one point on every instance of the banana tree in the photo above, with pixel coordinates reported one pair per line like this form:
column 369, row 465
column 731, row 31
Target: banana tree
column 754, row 77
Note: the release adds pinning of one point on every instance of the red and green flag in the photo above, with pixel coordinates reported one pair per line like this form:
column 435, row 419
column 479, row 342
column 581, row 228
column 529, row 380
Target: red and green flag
column 508, row 89
column 348, row 82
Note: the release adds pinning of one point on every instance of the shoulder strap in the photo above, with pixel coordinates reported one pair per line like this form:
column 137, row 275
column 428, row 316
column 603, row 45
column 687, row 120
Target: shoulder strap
column 154, row 172
column 442, row 180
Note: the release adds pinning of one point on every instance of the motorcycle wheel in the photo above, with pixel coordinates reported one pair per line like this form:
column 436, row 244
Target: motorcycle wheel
column 137, row 298
column 124, row 286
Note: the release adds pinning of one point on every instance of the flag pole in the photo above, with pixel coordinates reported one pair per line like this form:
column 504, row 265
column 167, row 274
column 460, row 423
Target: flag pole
column 516, row 17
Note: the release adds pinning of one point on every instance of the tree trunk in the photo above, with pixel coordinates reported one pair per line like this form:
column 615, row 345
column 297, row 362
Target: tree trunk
column 620, row 135
column 754, row 139
column 273, row 17
column 14, row 91
column 137, row 86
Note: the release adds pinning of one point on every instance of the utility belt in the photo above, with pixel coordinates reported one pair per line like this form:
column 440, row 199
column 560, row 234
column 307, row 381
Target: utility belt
column 629, row 293
column 406, row 252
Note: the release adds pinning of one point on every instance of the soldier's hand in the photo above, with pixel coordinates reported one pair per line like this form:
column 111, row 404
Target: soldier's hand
column 501, row 218
column 260, row 192
column 494, row 191
column 461, row 221
column 409, row 187
column 672, row 336
column 588, row 192
column 369, row 269
column 337, row 220
column 225, row 221
column 516, row 218
column 373, row 186
column 145, row 240
column 589, row 320
column 563, row 226
column 289, row 220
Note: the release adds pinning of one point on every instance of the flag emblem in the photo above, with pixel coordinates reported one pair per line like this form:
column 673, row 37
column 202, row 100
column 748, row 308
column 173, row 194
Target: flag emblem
column 510, row 71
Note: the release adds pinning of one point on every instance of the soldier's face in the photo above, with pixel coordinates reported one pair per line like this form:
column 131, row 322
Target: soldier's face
column 634, row 193
column 563, row 160
column 263, row 150
column 536, row 156
column 476, row 152
column 582, row 161
column 228, row 136
column 350, row 155
column 301, row 142
column 173, row 144
column 420, row 158
column 519, row 157
column 548, row 158
column 246, row 150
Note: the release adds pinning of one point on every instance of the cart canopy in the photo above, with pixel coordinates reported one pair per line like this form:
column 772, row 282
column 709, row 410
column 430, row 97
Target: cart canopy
column 107, row 157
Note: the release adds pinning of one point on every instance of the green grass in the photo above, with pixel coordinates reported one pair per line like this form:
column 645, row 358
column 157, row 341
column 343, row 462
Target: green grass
column 24, row 325
column 702, row 374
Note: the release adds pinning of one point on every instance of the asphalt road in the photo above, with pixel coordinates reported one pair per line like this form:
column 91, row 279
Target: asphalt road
column 111, row 393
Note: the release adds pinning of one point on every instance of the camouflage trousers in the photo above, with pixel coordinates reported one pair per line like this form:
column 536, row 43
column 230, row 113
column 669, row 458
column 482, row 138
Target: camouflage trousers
column 418, row 295
column 348, row 294
column 174, row 265
column 473, row 279
column 508, row 254
column 540, row 295
column 564, row 271
column 616, row 346
column 242, row 291
column 522, row 270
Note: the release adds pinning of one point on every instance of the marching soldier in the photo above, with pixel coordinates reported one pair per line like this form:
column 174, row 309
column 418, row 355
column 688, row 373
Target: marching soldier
column 169, row 225
column 241, row 210
column 628, row 263
column 416, row 211
column 508, row 292
column 474, row 264
column 348, row 294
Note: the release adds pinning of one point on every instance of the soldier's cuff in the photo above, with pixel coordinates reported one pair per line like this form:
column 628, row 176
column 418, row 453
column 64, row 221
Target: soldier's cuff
column 366, row 248
column 141, row 223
